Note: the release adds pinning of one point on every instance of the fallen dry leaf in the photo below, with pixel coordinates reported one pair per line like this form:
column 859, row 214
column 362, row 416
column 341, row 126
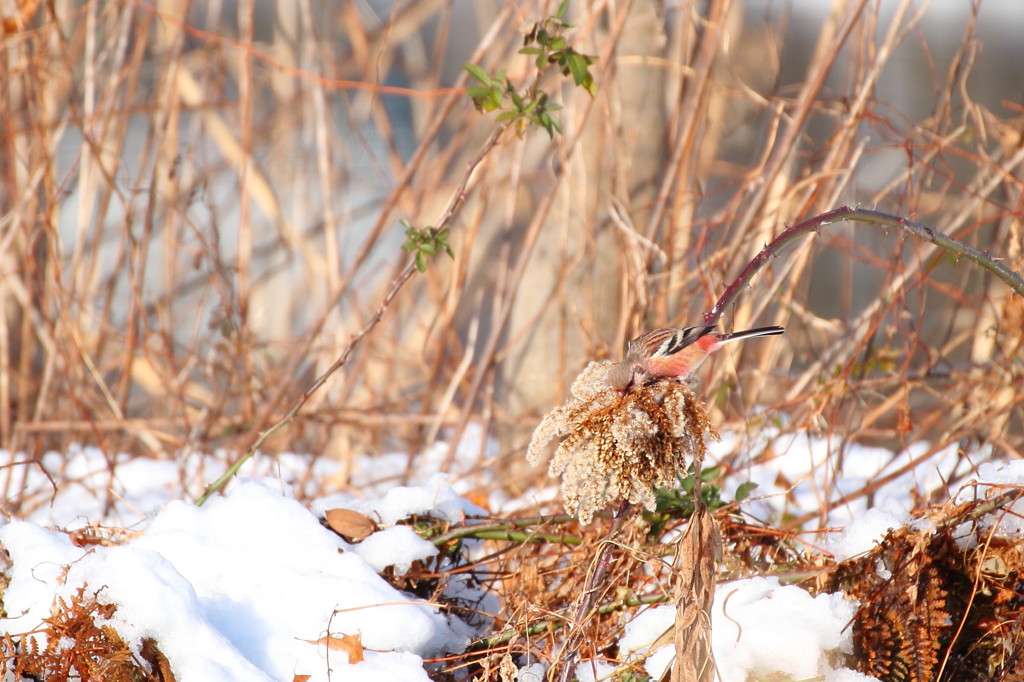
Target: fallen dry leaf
column 350, row 644
column 349, row 524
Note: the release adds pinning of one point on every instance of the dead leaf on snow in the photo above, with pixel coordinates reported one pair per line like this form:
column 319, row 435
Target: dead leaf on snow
column 350, row 644
column 349, row 524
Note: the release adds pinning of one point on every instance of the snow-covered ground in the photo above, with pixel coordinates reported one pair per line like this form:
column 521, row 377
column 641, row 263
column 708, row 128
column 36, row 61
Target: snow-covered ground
column 248, row 586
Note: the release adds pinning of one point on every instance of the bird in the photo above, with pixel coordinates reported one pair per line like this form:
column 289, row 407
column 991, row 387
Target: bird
column 673, row 352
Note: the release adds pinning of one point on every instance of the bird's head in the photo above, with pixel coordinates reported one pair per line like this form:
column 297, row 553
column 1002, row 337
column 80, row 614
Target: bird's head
column 628, row 373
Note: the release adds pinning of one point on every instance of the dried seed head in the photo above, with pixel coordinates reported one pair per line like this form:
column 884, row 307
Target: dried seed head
column 619, row 446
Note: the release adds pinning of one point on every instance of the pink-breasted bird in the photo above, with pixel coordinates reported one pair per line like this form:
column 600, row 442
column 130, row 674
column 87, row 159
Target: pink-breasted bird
column 673, row 352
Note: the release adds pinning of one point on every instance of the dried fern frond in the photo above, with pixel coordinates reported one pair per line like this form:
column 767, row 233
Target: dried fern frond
column 80, row 644
column 621, row 446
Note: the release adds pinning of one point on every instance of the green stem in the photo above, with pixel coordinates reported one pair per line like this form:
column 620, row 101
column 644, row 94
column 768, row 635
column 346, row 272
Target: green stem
column 525, row 536
column 510, row 525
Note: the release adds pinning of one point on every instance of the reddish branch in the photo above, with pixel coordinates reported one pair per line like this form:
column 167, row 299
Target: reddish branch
column 925, row 232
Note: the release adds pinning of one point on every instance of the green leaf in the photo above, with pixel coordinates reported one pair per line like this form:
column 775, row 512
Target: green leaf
column 578, row 66
column 478, row 73
column 563, row 7
column 710, row 473
column 506, row 116
column 421, row 261
column 744, row 489
column 548, row 126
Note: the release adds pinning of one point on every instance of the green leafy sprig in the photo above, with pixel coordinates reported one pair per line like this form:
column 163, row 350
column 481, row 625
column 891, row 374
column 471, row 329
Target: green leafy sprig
column 425, row 242
column 545, row 42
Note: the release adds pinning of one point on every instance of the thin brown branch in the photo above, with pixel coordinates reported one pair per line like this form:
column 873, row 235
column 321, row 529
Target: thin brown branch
column 593, row 585
column 396, row 286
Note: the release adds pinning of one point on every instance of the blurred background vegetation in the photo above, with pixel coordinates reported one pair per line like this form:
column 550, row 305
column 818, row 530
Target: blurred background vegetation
column 200, row 204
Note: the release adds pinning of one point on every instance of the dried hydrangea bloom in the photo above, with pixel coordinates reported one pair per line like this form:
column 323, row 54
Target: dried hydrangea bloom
column 621, row 446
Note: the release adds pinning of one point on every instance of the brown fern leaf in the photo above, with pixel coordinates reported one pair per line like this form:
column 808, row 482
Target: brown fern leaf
column 80, row 644
column 903, row 623
column 932, row 611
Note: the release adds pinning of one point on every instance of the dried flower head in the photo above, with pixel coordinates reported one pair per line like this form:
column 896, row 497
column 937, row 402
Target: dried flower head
column 621, row 446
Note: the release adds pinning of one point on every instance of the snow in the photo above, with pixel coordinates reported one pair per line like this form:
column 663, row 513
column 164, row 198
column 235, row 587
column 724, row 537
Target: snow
column 240, row 589
column 797, row 474
column 248, row 586
column 992, row 478
column 595, row 670
column 863, row 534
column 758, row 628
column 761, row 627
column 435, row 498
column 398, row 546
column 535, row 672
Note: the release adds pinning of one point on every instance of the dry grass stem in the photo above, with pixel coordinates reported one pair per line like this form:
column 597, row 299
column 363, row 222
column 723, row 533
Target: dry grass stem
column 695, row 570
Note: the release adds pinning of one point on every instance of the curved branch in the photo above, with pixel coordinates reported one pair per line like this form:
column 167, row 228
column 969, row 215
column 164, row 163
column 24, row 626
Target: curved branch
column 919, row 230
